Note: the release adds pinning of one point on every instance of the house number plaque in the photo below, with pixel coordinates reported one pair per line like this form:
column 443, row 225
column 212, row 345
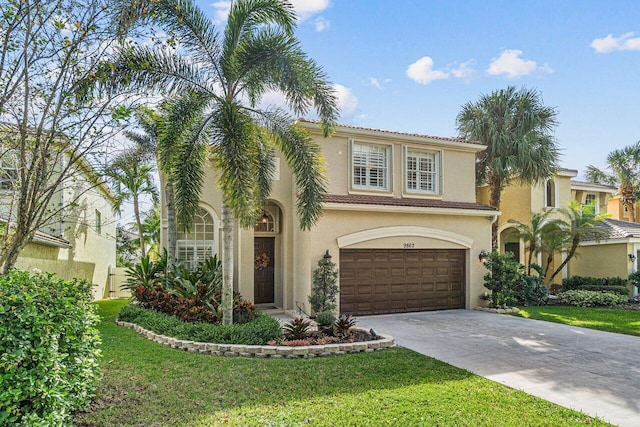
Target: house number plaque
column 408, row 245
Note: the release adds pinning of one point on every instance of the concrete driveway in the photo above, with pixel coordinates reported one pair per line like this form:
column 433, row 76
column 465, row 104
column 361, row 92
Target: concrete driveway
column 594, row 372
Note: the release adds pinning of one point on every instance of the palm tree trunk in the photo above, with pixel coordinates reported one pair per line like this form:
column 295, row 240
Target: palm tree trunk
column 495, row 190
column 227, row 265
column 136, row 212
column 572, row 252
column 632, row 210
column 172, row 231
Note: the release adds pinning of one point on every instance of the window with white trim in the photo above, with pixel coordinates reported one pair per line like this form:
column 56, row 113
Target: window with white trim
column 370, row 166
column 550, row 194
column 196, row 244
column 590, row 203
column 8, row 171
column 422, row 172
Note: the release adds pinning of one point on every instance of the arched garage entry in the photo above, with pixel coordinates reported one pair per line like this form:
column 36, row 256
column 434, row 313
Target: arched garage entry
column 427, row 272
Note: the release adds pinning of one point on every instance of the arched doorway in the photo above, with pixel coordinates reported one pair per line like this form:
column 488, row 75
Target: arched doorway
column 266, row 232
column 511, row 243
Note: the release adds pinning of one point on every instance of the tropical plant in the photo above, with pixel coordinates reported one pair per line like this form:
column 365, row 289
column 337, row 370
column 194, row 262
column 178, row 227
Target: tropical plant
column 583, row 298
column 577, row 225
column 503, row 278
column 131, row 179
column 296, row 329
column 221, row 79
column 151, row 229
column 624, row 165
column 325, row 286
column 534, row 234
column 518, row 131
column 343, row 325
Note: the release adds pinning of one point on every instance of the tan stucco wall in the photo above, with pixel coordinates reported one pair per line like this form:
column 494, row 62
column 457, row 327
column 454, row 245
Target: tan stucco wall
column 604, row 260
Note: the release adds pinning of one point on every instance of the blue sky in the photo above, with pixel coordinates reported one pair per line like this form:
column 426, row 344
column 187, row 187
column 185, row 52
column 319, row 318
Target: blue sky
column 409, row 65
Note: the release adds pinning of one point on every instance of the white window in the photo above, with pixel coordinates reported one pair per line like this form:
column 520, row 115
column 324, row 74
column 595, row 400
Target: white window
column 196, row 244
column 422, row 172
column 590, row 203
column 8, row 171
column 370, row 167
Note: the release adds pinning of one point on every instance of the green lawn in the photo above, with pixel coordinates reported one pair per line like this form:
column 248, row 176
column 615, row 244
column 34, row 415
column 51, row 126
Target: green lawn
column 603, row 319
column 146, row 384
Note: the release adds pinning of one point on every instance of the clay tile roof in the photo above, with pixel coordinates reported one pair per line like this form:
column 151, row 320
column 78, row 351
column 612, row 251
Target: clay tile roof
column 617, row 229
column 417, row 135
column 593, row 185
column 418, row 203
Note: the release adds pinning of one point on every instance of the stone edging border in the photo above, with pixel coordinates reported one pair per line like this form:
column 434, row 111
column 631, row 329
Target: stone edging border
column 264, row 351
column 499, row 310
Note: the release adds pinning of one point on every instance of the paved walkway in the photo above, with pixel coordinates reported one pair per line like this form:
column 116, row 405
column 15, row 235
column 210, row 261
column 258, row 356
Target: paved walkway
column 594, row 372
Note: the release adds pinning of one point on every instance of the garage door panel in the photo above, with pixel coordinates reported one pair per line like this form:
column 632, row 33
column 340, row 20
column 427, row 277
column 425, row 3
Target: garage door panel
column 376, row 281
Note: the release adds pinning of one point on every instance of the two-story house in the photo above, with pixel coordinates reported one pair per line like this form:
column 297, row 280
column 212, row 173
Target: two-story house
column 400, row 220
column 79, row 241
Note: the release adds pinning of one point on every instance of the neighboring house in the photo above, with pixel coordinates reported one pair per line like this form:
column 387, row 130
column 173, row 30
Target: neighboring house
column 80, row 242
column 619, row 211
column 518, row 202
column 400, row 221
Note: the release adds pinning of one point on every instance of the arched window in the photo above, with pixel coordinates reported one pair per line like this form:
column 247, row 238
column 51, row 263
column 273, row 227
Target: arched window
column 550, row 194
column 196, row 244
column 266, row 223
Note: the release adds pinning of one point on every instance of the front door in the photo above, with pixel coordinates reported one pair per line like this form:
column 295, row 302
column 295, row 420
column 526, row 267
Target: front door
column 263, row 277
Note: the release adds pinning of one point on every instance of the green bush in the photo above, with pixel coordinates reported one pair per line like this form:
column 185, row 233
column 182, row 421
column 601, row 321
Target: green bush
column 48, row 349
column 582, row 298
column 259, row 331
column 325, row 318
column 617, row 285
column 532, row 291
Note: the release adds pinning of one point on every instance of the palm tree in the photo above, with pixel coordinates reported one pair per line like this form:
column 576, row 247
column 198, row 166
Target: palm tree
column 577, row 225
column 535, row 233
column 131, row 179
column 151, row 229
column 625, row 167
column 221, row 78
column 518, row 132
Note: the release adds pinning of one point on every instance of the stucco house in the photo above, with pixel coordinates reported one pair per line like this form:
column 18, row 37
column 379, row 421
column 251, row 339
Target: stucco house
column 400, row 221
column 79, row 242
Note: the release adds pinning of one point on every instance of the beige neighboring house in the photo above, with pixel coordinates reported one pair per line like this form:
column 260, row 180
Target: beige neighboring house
column 81, row 241
column 400, row 221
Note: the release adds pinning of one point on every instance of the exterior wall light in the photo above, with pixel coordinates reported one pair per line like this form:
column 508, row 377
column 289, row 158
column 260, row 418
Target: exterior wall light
column 632, row 257
column 327, row 255
column 483, row 255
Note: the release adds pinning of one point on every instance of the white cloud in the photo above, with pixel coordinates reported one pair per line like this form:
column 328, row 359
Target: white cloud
column 347, row 101
column 464, row 71
column 221, row 11
column 422, row 71
column 378, row 83
column 321, row 24
column 307, row 8
column 510, row 63
column 610, row 43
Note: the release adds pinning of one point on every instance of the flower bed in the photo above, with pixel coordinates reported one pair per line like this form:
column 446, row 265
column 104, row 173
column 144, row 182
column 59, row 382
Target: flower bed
column 264, row 351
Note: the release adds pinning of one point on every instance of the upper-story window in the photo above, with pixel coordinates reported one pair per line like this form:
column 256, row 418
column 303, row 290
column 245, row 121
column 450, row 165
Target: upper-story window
column 370, row 166
column 422, row 171
column 550, row 199
column 98, row 222
column 590, row 203
column 8, row 171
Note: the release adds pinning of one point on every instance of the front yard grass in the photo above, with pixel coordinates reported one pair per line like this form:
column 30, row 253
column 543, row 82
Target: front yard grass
column 147, row 384
column 603, row 319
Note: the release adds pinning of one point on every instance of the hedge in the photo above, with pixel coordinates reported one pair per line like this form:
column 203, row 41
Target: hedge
column 617, row 285
column 48, row 349
column 258, row 331
column 581, row 298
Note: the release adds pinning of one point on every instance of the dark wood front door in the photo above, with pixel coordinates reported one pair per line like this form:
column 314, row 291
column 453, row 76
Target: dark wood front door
column 263, row 277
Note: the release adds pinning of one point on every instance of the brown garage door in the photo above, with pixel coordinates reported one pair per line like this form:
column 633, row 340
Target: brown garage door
column 376, row 281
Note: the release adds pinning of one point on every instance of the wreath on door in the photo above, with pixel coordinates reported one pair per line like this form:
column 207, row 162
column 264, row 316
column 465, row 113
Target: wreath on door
column 262, row 261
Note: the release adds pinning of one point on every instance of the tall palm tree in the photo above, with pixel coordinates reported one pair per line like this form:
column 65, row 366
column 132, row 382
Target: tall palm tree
column 624, row 164
column 221, row 78
column 518, row 132
column 131, row 179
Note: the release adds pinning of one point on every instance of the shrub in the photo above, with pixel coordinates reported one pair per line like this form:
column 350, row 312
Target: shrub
column 325, row 318
column 505, row 274
column 325, row 286
column 49, row 341
column 532, row 291
column 617, row 285
column 582, row 298
column 260, row 330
